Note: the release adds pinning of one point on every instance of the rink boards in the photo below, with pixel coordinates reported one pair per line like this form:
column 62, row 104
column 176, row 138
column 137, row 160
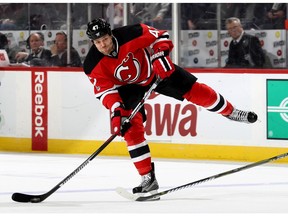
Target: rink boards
column 54, row 110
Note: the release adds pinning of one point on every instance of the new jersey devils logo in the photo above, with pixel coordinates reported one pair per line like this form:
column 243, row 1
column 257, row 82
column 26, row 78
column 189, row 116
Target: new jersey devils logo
column 129, row 70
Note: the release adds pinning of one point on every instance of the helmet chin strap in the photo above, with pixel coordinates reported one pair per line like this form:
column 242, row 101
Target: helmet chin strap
column 114, row 52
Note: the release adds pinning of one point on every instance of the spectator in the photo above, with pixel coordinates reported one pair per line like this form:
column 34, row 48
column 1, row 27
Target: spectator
column 36, row 22
column 275, row 18
column 118, row 14
column 3, row 41
column 196, row 16
column 13, row 16
column 57, row 14
column 151, row 14
column 227, row 10
column 244, row 49
column 252, row 15
column 39, row 56
column 11, row 50
column 230, row 10
column 59, row 52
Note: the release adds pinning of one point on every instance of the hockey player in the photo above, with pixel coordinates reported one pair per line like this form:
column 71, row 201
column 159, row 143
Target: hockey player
column 122, row 64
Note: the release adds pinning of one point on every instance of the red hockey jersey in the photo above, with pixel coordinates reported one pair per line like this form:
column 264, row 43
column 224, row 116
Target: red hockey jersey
column 129, row 63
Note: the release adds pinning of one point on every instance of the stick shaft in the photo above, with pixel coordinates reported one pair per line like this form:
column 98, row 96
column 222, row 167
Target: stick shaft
column 277, row 157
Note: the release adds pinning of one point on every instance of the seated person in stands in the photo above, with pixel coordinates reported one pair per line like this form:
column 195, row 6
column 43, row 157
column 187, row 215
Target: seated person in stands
column 39, row 56
column 59, row 52
column 275, row 17
column 244, row 50
column 11, row 50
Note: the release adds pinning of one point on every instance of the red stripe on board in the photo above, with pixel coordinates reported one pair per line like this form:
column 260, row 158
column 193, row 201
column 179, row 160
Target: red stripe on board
column 39, row 110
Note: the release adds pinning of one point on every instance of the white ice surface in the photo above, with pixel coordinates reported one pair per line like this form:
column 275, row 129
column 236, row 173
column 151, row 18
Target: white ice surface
column 262, row 189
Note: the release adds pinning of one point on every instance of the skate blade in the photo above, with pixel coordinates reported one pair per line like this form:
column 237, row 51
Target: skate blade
column 149, row 193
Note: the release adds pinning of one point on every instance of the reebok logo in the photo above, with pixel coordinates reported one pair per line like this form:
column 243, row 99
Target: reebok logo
column 39, row 107
column 39, row 110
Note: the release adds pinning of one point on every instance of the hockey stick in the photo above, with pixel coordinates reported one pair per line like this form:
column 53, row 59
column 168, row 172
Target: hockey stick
column 20, row 197
column 156, row 196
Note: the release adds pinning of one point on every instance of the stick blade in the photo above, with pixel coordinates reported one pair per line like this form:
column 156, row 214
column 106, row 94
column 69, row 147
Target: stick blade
column 25, row 198
column 135, row 197
column 124, row 193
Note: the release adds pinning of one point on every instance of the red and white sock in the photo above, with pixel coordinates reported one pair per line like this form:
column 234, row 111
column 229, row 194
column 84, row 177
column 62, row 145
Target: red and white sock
column 137, row 145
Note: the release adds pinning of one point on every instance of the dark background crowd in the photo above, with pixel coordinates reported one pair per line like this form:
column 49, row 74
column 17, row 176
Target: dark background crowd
column 192, row 16
column 36, row 16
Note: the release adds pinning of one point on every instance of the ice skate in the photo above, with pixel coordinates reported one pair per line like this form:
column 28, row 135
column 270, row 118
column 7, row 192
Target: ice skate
column 243, row 116
column 148, row 184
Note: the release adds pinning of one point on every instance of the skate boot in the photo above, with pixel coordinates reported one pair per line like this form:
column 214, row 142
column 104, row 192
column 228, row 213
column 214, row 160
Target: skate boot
column 243, row 116
column 148, row 183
